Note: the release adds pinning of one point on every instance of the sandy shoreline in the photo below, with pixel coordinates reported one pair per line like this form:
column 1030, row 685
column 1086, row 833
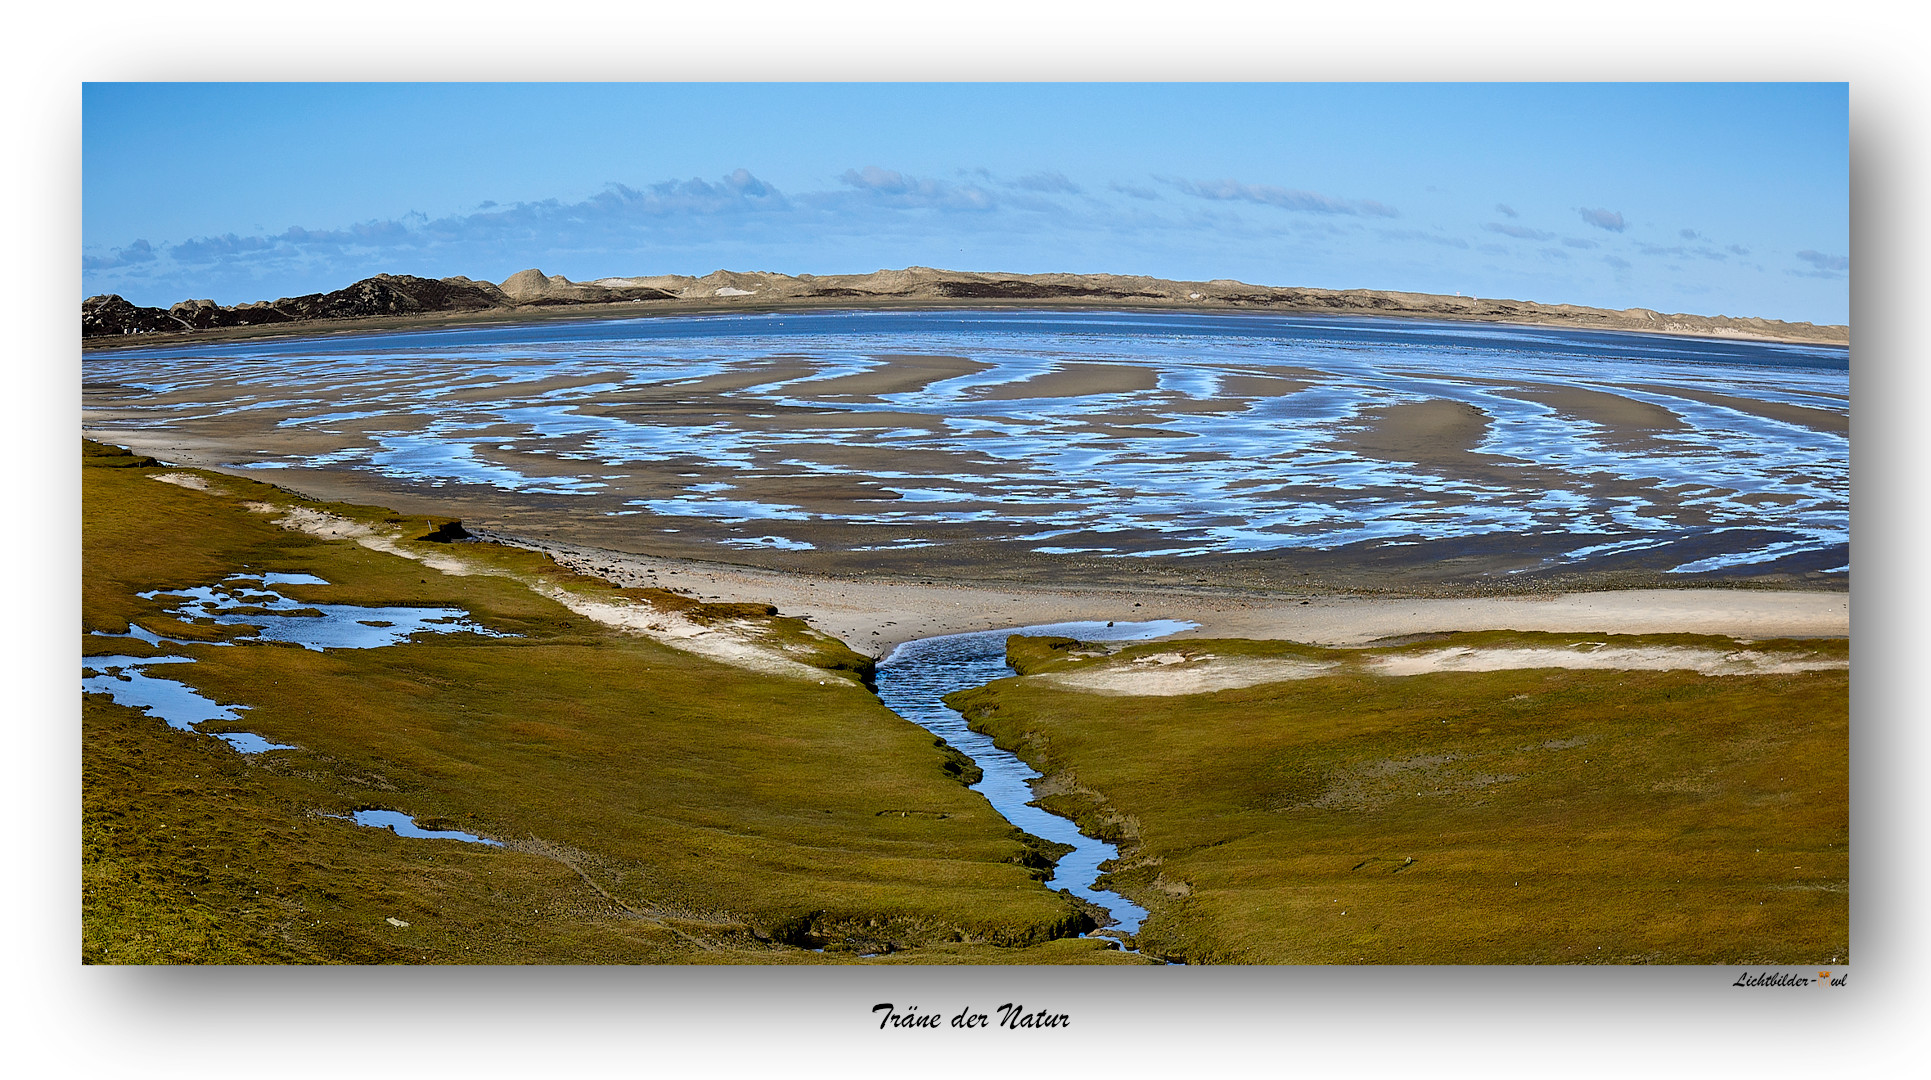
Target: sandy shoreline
column 873, row 615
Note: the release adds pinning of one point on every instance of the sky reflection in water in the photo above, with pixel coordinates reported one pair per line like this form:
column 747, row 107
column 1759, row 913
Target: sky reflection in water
column 251, row 600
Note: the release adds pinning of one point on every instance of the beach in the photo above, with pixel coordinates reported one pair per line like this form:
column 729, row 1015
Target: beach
column 873, row 615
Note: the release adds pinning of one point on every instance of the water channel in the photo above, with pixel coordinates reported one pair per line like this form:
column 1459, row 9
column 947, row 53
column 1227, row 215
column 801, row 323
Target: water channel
column 918, row 674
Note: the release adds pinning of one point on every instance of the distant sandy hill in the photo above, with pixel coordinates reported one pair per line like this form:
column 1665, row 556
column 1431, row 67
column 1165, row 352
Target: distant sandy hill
column 536, row 287
column 388, row 296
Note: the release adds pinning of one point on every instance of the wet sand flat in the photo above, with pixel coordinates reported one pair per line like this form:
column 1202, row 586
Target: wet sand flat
column 1425, row 431
column 1005, row 448
column 896, row 375
column 1621, row 422
column 1074, row 380
column 1610, row 411
column 748, row 377
column 1821, row 419
column 1261, row 386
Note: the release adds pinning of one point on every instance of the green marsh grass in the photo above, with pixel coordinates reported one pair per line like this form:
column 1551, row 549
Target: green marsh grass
column 655, row 806
column 1507, row 817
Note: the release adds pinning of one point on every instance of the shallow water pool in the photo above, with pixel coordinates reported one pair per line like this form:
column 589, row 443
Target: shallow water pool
column 250, row 600
column 404, row 825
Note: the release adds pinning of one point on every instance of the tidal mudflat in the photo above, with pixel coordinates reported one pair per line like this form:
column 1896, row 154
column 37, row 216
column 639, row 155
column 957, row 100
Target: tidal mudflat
column 1052, row 446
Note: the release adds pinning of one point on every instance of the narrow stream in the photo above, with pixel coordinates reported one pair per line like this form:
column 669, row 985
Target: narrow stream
column 912, row 680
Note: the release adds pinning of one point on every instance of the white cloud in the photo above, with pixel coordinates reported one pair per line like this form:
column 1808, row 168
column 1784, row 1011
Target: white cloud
column 1604, row 219
column 1520, row 232
column 1284, row 198
column 1821, row 261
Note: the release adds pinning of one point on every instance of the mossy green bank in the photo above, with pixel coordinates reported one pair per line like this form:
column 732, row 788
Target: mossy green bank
column 655, row 806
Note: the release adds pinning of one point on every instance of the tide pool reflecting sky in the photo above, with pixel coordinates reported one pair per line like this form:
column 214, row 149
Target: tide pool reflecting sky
column 249, row 600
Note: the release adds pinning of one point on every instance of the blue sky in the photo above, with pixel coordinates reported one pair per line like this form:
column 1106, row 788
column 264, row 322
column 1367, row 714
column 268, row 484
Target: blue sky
column 1706, row 198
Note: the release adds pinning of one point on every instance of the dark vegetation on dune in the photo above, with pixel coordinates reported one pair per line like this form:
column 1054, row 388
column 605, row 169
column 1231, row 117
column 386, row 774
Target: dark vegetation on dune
column 384, row 294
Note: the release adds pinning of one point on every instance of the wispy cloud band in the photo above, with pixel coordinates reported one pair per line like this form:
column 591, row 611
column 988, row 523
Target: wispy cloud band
column 869, row 217
column 1307, row 202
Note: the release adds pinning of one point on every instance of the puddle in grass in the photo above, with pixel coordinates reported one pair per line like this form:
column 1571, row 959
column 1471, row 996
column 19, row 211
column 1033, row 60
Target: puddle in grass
column 125, row 679
column 252, row 600
column 913, row 679
column 404, row 825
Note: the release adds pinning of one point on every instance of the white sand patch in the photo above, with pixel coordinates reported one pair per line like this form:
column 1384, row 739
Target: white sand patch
column 1603, row 658
column 181, row 479
column 732, row 642
column 313, row 522
column 729, row 291
column 321, row 523
column 1174, row 674
column 1170, row 674
column 1736, row 613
